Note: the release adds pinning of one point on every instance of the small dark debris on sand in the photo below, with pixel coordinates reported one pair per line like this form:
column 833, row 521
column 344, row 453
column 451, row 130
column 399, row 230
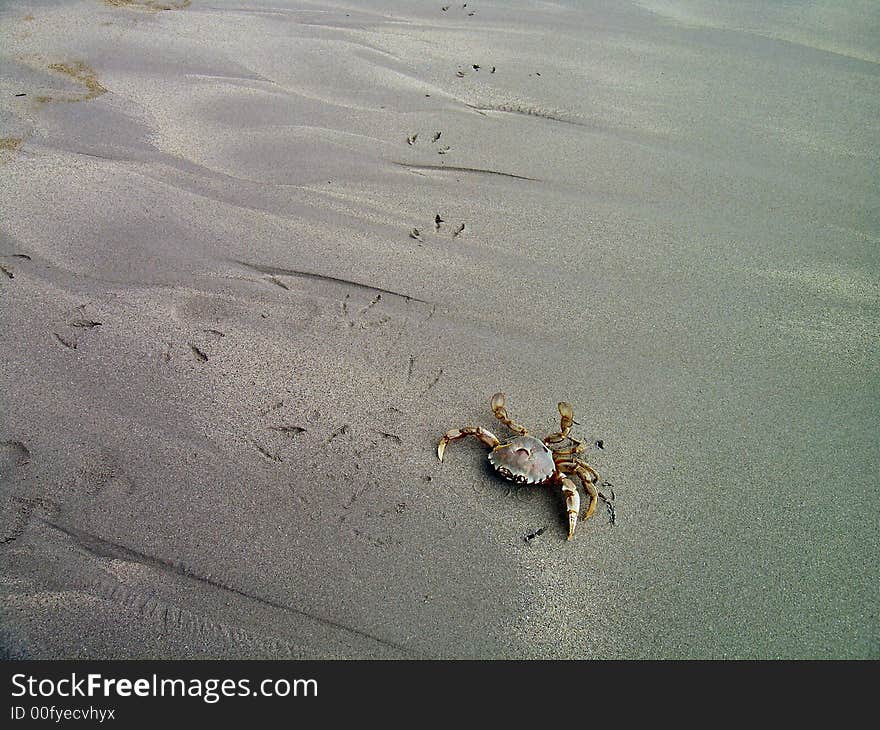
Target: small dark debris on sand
column 288, row 430
column 609, row 506
column 341, row 431
column 198, row 354
column 69, row 344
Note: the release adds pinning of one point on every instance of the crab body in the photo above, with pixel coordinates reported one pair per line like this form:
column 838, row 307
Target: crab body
column 525, row 459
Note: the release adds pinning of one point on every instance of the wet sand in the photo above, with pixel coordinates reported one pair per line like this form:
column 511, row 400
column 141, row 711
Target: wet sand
column 234, row 328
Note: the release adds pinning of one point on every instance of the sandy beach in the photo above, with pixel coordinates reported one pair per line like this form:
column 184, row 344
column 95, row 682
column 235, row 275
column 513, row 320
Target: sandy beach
column 257, row 257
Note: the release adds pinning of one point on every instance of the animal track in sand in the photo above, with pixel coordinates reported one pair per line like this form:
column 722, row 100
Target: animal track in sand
column 23, row 510
column 609, row 503
column 341, row 431
column 15, row 458
column 266, row 453
column 99, row 470
column 80, row 321
column 151, row 5
column 155, row 570
column 285, row 432
column 8, row 271
column 197, row 353
column 434, row 381
column 389, row 436
column 411, row 140
column 288, row 430
column 273, row 407
column 70, row 344
column 277, row 282
column 537, row 533
column 359, row 319
column 416, row 233
column 529, row 110
column 13, row 454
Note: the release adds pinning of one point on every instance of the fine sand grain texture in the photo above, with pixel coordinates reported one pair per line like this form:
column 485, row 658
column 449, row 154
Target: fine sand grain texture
column 257, row 257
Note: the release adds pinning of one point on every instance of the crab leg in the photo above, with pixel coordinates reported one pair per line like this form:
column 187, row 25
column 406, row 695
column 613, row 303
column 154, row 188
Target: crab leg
column 587, row 480
column 566, row 419
column 487, row 437
column 498, row 408
column 579, row 447
column 572, row 504
column 587, row 476
column 587, row 468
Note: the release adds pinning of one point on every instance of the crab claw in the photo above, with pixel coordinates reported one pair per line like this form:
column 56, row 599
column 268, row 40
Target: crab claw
column 572, row 504
column 487, row 437
column 567, row 414
column 451, row 435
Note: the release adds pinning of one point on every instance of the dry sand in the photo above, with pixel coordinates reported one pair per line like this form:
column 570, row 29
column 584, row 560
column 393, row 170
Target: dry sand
column 226, row 363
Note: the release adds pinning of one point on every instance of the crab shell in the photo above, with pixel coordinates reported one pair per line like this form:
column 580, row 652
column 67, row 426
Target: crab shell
column 524, row 460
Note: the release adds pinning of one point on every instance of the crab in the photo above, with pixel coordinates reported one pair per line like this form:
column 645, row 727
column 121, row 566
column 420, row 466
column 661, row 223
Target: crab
column 525, row 459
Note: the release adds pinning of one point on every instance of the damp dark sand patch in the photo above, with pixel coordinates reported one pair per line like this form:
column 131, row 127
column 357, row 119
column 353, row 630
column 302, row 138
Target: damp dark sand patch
column 81, row 73
column 8, row 148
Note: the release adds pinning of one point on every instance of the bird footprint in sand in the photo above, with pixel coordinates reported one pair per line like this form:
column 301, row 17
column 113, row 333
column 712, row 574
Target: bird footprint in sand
column 439, row 220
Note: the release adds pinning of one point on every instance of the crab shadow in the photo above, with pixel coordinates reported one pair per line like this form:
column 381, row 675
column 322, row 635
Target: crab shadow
column 543, row 500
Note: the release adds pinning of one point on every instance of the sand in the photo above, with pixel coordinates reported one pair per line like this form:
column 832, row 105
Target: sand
column 228, row 356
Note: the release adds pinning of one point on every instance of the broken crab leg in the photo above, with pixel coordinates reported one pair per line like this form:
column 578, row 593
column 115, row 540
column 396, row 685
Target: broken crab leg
column 572, row 504
column 566, row 419
column 498, row 408
column 487, row 437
